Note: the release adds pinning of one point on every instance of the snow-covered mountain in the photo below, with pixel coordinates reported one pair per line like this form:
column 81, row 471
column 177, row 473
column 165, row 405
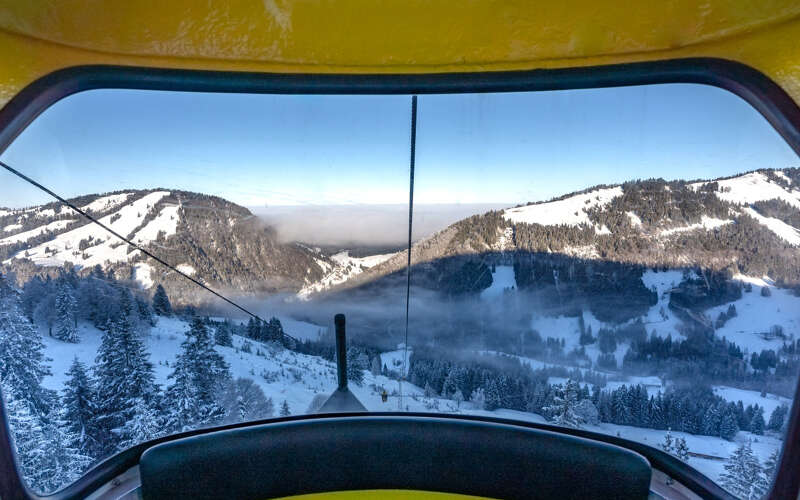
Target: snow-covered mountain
column 204, row 236
column 748, row 224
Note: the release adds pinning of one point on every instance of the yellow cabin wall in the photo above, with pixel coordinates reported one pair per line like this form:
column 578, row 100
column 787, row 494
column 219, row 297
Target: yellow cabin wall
column 392, row 36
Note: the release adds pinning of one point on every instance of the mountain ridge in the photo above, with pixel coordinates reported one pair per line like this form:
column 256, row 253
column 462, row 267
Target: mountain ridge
column 745, row 224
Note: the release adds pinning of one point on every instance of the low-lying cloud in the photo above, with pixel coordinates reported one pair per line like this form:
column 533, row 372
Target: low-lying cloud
column 363, row 225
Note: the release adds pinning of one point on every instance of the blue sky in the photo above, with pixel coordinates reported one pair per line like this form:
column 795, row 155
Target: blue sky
column 260, row 150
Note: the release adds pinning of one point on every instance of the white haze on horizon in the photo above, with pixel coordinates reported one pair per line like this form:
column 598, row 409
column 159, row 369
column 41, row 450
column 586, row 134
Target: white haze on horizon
column 364, row 225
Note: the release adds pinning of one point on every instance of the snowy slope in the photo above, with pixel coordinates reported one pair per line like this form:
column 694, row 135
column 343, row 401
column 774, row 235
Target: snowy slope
column 659, row 318
column 777, row 226
column 393, row 360
column 104, row 248
column 769, row 402
column 166, row 221
column 568, row 211
column 756, row 315
column 293, row 377
column 345, row 268
column 107, row 202
column 26, row 235
column 753, row 187
column 502, row 279
column 284, row 375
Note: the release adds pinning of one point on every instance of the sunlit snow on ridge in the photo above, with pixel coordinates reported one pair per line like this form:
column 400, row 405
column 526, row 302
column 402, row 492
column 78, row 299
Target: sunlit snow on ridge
column 570, row 211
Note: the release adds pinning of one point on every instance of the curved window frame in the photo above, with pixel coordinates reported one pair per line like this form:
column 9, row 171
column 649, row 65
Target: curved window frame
column 768, row 98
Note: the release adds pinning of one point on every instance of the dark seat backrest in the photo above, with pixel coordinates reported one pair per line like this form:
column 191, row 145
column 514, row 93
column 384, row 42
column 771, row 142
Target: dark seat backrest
column 388, row 452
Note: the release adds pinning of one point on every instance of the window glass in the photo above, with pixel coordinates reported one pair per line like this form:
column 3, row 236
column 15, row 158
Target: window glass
column 622, row 260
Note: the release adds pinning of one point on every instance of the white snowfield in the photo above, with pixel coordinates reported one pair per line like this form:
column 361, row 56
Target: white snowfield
column 707, row 223
column 569, row 211
column 345, row 268
column 756, row 315
column 166, row 221
column 104, row 248
column 769, row 402
column 393, row 360
column 12, row 227
column 25, row 236
column 753, row 187
column 636, row 221
column 186, row 269
column 503, row 280
column 107, row 202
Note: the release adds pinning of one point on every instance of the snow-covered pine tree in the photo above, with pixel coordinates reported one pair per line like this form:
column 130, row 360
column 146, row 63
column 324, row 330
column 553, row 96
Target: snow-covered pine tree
column 161, row 305
column 767, row 475
column 123, row 374
column 375, row 366
column 458, row 397
column 285, row 409
column 451, row 382
column 742, row 471
column 252, row 330
column 356, row 364
column 668, row 445
column 145, row 311
column 494, row 396
column 66, row 307
column 244, row 400
column 199, row 376
column 728, row 427
column 80, row 408
column 145, row 424
column 478, row 398
column 46, row 460
column 564, row 402
column 757, row 424
column 778, row 417
column 274, row 330
column 681, row 449
column 222, row 334
column 22, row 364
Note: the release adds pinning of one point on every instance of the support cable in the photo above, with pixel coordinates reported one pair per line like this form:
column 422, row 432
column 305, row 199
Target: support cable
column 410, row 225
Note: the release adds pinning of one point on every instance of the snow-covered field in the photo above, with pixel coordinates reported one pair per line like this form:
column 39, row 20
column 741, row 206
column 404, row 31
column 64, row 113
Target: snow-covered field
column 285, row 375
column 393, row 360
column 753, row 187
column 26, row 235
column 502, row 279
column 105, row 248
column 294, row 377
column 569, row 211
column 769, row 402
column 756, row 314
